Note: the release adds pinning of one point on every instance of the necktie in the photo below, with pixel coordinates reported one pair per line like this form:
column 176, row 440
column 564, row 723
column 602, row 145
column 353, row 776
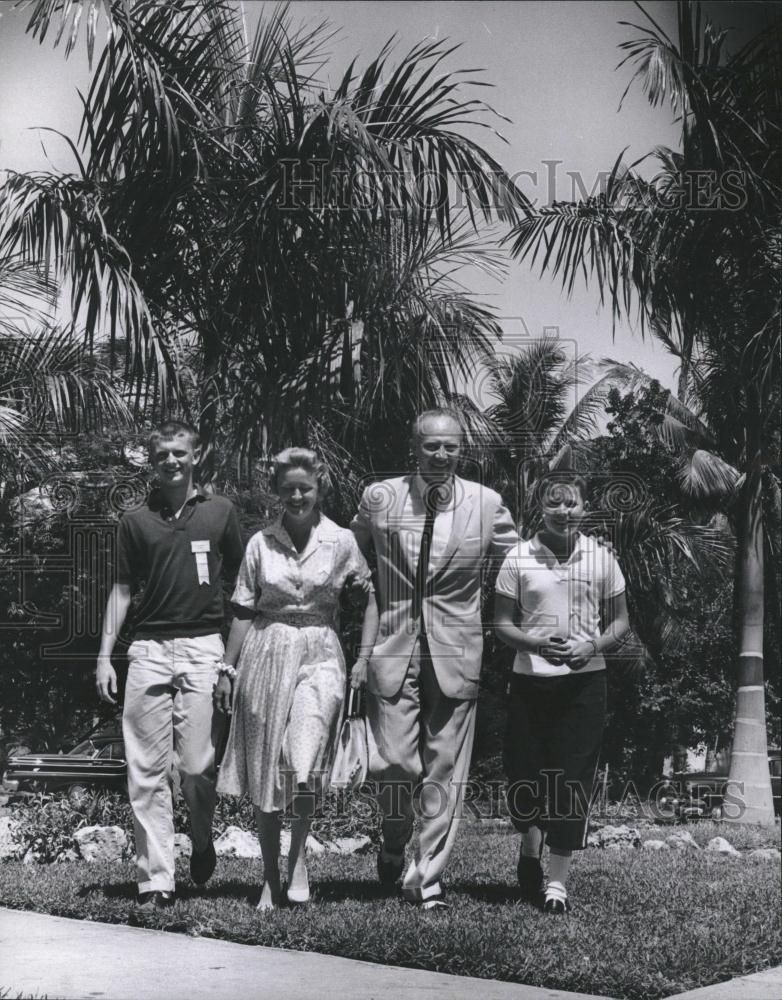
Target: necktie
column 422, row 568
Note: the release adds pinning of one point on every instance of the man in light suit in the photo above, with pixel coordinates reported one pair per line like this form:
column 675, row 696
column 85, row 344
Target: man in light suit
column 432, row 532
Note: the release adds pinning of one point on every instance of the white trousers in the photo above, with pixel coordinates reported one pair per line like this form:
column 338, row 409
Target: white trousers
column 169, row 719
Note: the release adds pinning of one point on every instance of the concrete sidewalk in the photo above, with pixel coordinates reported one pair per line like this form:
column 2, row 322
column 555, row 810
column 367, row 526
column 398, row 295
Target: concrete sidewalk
column 74, row 959
column 760, row 986
column 61, row 959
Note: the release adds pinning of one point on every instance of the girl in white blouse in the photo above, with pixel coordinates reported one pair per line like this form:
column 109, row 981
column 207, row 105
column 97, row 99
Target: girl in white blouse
column 560, row 603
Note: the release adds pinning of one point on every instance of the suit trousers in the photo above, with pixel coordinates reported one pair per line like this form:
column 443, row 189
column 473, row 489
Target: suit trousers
column 425, row 742
column 169, row 719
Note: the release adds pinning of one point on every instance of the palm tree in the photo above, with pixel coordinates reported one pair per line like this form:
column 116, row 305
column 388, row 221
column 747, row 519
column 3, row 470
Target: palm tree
column 298, row 240
column 548, row 410
column 410, row 333
column 548, row 417
column 49, row 385
column 708, row 283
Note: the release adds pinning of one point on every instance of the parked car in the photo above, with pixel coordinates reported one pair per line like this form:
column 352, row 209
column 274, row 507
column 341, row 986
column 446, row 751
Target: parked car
column 98, row 760
column 698, row 794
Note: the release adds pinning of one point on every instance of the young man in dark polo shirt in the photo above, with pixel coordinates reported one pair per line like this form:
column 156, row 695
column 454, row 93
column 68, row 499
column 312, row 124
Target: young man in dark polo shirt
column 176, row 546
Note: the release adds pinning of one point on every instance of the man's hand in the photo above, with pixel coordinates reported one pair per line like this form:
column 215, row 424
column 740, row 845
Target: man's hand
column 355, row 592
column 221, row 696
column 358, row 673
column 106, row 680
column 604, row 541
column 355, row 582
column 578, row 652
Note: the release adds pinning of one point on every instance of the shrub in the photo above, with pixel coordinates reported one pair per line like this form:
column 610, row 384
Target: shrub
column 47, row 823
column 342, row 814
column 338, row 814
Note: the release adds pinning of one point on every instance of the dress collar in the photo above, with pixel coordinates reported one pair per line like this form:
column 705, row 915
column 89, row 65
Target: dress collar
column 323, row 530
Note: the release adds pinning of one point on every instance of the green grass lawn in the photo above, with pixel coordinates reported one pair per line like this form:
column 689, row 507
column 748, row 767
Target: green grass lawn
column 645, row 925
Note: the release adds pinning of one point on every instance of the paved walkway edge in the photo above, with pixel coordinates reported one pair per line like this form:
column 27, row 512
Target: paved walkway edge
column 64, row 959
column 759, row 986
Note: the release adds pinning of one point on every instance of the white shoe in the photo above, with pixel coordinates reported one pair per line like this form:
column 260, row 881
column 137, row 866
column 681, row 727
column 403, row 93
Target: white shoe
column 298, row 896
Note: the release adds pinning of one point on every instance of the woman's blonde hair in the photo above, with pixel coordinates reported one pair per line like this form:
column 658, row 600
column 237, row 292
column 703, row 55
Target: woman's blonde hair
column 301, row 458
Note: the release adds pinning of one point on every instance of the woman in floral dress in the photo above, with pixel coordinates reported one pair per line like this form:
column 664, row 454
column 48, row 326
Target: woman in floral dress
column 285, row 664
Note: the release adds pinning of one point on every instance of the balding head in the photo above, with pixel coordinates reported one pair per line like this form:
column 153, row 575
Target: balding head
column 440, row 414
column 437, row 443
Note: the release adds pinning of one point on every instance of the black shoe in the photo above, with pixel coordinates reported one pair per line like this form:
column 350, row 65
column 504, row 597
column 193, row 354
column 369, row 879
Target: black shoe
column 559, row 907
column 529, row 872
column 150, row 903
column 389, row 870
column 202, row 864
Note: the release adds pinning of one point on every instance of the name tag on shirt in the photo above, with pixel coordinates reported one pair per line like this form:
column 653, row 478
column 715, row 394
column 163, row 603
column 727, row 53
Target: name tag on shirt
column 200, row 550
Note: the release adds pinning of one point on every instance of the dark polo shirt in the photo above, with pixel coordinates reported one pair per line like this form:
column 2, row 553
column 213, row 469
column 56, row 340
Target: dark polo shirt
column 180, row 564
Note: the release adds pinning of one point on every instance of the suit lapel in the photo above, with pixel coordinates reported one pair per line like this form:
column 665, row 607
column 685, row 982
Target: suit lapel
column 461, row 517
column 396, row 522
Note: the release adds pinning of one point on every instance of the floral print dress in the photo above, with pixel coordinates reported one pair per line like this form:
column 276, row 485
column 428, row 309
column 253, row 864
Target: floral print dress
column 290, row 683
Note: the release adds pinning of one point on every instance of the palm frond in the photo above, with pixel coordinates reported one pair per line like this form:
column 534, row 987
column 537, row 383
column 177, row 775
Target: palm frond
column 651, row 539
column 66, row 17
column 28, row 295
column 51, row 381
column 605, row 240
column 659, row 67
column 706, row 475
column 57, row 221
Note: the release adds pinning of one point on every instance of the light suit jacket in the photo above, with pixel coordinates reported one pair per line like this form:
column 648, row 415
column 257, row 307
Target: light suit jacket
column 482, row 527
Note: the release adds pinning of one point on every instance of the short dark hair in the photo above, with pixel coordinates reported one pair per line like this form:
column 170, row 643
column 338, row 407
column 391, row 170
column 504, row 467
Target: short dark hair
column 172, row 429
column 561, row 477
column 438, row 411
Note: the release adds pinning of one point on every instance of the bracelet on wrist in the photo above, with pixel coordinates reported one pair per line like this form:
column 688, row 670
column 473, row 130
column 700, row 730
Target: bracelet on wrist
column 594, row 646
column 226, row 670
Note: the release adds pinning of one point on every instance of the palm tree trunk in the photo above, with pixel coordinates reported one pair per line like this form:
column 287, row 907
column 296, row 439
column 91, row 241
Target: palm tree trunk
column 748, row 796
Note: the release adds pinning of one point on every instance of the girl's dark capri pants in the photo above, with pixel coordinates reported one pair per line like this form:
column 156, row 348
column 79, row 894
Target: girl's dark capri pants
column 552, row 746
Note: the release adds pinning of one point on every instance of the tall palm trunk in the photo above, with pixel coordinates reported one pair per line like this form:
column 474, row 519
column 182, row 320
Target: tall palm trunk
column 748, row 798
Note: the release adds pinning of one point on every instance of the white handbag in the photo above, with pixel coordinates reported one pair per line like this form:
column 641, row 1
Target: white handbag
column 351, row 759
